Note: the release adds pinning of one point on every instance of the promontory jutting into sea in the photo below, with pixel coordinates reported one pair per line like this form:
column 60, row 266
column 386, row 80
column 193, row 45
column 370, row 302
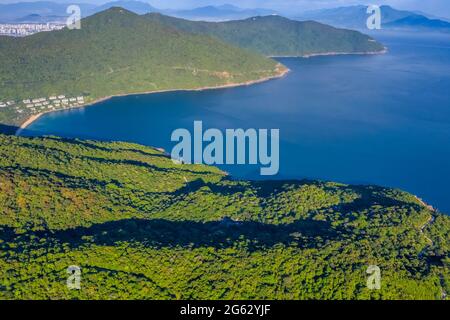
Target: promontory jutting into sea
column 362, row 136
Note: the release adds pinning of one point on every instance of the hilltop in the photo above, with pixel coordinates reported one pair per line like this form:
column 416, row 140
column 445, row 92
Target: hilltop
column 274, row 35
column 140, row 226
column 119, row 52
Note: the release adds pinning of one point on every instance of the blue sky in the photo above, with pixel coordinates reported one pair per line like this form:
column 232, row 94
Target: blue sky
column 435, row 7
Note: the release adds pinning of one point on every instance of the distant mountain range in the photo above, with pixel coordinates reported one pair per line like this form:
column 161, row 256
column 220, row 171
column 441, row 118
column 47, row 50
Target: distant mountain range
column 419, row 22
column 37, row 18
column 355, row 17
column 46, row 11
column 41, row 11
column 133, row 6
column 220, row 13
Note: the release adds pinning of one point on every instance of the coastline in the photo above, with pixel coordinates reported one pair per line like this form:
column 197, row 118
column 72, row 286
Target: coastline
column 29, row 121
column 426, row 205
column 281, row 74
column 284, row 71
column 310, row 55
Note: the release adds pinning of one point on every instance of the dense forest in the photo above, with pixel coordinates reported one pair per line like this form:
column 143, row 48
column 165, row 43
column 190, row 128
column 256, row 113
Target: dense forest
column 140, row 226
column 278, row 36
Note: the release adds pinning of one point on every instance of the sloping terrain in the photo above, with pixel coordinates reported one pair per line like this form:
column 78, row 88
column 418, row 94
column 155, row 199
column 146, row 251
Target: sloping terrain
column 278, row 36
column 140, row 226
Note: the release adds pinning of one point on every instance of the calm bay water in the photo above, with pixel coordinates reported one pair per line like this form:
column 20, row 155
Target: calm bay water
column 381, row 119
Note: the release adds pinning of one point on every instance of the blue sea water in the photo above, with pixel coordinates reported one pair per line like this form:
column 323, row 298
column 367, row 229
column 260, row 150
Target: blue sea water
column 381, row 119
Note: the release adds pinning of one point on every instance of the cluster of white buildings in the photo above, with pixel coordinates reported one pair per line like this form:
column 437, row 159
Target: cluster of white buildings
column 53, row 103
column 7, row 104
column 44, row 104
column 26, row 29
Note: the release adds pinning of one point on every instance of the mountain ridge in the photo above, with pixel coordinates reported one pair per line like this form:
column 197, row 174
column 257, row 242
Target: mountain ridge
column 391, row 18
column 278, row 36
column 56, row 12
column 419, row 22
column 218, row 13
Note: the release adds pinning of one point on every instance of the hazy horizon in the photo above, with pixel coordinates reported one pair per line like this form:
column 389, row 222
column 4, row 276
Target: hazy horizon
column 438, row 8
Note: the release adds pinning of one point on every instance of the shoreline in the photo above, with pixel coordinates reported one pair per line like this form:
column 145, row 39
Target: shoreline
column 281, row 74
column 310, row 55
column 29, row 121
column 426, row 205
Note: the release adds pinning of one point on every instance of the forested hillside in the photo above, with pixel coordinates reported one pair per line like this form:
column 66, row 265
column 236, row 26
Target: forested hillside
column 140, row 226
column 278, row 36
column 118, row 52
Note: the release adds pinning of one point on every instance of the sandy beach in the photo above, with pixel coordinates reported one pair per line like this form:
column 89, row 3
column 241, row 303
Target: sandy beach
column 29, row 121
column 282, row 71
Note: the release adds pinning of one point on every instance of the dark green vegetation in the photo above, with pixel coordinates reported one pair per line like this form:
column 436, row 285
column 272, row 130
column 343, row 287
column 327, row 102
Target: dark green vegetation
column 119, row 52
column 141, row 226
column 278, row 36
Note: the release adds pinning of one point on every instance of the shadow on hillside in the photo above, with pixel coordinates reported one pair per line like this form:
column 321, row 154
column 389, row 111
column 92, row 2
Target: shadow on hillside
column 112, row 161
column 94, row 145
column 368, row 196
column 9, row 130
column 159, row 233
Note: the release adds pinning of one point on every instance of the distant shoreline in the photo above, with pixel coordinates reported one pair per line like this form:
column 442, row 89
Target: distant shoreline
column 281, row 74
column 310, row 55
